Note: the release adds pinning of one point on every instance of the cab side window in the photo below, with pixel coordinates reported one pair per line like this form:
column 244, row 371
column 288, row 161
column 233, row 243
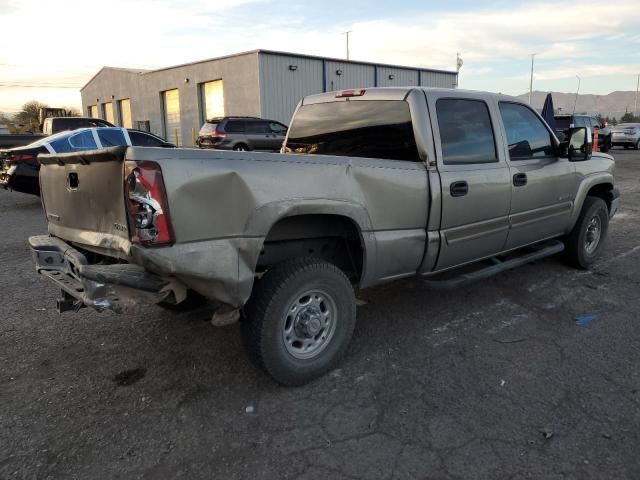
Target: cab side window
column 527, row 136
column 466, row 133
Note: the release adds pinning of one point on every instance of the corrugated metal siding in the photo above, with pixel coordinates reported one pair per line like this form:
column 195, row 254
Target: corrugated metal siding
column 402, row 77
column 281, row 89
column 353, row 76
column 437, row 79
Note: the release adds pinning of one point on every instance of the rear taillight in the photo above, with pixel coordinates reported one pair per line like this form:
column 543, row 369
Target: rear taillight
column 18, row 157
column 216, row 134
column 147, row 206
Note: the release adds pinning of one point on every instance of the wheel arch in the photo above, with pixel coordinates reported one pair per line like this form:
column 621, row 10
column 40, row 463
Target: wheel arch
column 599, row 185
column 338, row 232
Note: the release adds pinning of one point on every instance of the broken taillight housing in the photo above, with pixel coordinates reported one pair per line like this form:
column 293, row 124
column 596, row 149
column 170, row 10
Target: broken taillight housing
column 147, row 206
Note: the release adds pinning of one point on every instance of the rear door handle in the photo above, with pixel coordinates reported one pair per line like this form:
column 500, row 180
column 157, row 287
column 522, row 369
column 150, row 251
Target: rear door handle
column 520, row 179
column 459, row 189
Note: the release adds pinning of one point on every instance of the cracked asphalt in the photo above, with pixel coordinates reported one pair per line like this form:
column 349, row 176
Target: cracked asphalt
column 491, row 381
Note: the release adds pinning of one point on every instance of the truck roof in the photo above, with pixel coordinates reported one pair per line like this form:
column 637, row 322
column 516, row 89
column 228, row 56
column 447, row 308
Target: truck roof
column 399, row 93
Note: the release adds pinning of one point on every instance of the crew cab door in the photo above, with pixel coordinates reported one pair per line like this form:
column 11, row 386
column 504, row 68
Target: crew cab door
column 543, row 185
column 474, row 176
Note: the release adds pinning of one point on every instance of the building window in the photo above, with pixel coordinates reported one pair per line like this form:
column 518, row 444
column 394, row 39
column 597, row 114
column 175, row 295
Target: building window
column 107, row 112
column 124, row 108
column 93, row 111
column 171, row 107
column 212, row 95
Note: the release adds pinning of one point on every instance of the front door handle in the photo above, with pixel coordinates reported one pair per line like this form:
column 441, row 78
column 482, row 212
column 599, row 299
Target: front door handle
column 459, row 189
column 520, row 179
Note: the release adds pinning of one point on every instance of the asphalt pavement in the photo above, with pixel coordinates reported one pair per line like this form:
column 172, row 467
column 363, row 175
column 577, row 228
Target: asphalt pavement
column 492, row 381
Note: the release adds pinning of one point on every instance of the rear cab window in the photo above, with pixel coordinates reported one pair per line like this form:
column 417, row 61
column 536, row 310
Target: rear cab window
column 361, row 128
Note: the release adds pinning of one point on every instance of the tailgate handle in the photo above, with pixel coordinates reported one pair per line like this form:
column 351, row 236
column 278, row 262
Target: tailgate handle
column 73, row 181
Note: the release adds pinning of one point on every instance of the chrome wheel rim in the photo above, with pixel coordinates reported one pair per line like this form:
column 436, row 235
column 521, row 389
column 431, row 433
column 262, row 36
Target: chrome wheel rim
column 309, row 324
column 592, row 236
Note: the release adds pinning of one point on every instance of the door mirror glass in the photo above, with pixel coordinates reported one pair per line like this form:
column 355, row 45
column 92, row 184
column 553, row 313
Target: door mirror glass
column 578, row 147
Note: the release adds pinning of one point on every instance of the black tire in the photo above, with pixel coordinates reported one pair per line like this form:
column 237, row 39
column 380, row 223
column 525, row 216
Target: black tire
column 580, row 252
column 637, row 145
column 269, row 315
column 241, row 147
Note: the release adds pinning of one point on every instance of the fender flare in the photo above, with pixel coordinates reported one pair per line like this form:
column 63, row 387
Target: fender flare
column 587, row 184
column 263, row 218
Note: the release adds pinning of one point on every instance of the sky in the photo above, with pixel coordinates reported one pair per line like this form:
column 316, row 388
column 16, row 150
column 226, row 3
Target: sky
column 51, row 48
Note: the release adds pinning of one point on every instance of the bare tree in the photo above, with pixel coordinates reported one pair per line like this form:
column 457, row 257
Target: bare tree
column 5, row 119
column 29, row 113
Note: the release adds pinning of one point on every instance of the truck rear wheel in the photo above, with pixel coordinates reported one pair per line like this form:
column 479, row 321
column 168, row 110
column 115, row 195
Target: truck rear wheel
column 299, row 320
column 585, row 240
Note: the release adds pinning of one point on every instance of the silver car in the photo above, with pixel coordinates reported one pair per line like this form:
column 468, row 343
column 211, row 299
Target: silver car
column 626, row 135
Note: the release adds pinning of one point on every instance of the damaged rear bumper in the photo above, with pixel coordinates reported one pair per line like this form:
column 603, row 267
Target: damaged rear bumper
column 103, row 287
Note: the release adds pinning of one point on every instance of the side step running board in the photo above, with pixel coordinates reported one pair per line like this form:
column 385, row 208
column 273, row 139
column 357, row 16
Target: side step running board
column 542, row 251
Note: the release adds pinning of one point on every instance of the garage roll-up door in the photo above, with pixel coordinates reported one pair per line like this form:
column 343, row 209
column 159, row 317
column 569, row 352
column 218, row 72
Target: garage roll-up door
column 212, row 99
column 172, row 131
column 125, row 113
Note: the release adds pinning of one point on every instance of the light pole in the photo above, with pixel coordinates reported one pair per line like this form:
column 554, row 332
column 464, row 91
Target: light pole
column 635, row 106
column 347, row 34
column 531, row 78
column 458, row 67
column 577, row 91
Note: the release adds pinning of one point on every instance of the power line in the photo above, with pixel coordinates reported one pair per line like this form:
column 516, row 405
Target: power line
column 22, row 85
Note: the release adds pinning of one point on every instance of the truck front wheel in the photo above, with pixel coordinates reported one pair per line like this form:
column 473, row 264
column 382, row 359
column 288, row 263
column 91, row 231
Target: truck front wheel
column 299, row 320
column 585, row 240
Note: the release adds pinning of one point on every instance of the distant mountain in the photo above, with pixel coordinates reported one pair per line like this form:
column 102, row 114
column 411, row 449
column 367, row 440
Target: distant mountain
column 614, row 104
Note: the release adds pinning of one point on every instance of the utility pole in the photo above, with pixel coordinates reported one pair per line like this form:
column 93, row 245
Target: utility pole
column 347, row 34
column 531, row 79
column 577, row 91
column 635, row 108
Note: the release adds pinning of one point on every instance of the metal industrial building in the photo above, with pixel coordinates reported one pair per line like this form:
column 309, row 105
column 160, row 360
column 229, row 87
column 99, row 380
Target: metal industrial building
column 173, row 102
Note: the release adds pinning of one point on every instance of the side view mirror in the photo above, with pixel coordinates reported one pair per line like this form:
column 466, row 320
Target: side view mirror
column 578, row 147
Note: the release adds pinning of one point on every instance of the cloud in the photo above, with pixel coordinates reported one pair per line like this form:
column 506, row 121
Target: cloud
column 74, row 38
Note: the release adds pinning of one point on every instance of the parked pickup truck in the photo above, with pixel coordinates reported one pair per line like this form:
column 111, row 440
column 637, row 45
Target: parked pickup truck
column 371, row 186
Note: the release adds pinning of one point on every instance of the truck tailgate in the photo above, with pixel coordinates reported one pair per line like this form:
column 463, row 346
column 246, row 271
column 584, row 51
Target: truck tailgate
column 83, row 198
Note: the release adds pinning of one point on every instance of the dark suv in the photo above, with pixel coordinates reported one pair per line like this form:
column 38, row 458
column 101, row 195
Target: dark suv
column 564, row 122
column 242, row 133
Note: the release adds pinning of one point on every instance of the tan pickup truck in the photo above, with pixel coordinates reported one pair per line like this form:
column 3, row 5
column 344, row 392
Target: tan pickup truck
column 371, row 186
